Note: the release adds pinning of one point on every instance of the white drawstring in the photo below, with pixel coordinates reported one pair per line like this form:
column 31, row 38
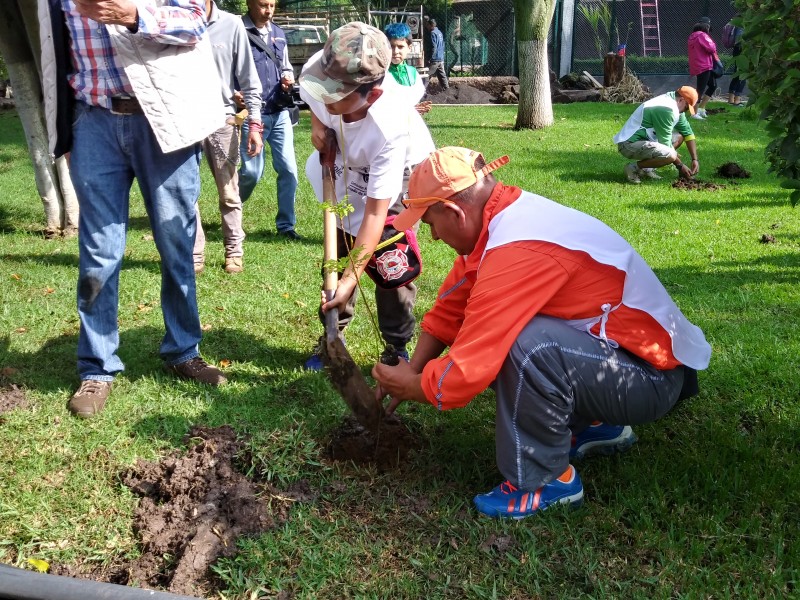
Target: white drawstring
column 607, row 308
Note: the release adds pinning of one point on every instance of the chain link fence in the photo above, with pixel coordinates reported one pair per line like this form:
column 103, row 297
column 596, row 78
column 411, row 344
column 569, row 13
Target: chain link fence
column 480, row 39
column 654, row 33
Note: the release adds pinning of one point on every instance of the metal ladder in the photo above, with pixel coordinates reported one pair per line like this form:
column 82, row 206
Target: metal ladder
column 651, row 30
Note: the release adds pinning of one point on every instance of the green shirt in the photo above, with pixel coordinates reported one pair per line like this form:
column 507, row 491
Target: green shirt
column 655, row 120
column 403, row 74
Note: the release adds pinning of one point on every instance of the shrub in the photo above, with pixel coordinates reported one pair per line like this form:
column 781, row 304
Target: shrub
column 770, row 61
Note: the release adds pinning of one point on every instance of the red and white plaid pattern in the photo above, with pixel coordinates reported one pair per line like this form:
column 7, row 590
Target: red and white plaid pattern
column 96, row 75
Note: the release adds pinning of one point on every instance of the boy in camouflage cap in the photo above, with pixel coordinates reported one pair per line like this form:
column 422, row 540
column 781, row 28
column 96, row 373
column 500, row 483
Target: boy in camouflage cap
column 343, row 86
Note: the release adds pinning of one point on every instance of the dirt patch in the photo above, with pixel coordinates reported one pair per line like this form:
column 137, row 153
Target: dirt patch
column 732, row 170
column 766, row 238
column 350, row 383
column 386, row 449
column 12, row 397
column 193, row 508
column 715, row 111
column 458, row 93
column 697, row 184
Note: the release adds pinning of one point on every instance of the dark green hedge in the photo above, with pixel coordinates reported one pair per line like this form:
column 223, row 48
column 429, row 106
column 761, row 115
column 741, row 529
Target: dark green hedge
column 642, row 65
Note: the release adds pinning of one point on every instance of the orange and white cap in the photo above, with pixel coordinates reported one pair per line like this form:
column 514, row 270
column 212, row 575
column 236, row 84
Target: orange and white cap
column 443, row 174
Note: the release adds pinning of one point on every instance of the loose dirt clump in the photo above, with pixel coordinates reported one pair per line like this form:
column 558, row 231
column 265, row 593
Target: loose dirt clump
column 732, row 170
column 767, row 238
column 458, row 93
column 12, row 397
column 696, row 184
column 715, row 111
column 192, row 510
column 386, row 450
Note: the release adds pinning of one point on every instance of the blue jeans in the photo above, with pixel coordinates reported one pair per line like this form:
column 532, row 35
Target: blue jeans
column 108, row 151
column 279, row 135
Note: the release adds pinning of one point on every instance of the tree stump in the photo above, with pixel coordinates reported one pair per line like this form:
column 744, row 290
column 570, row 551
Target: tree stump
column 613, row 69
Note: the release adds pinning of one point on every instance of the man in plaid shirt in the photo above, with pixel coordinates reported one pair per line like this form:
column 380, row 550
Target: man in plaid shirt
column 144, row 92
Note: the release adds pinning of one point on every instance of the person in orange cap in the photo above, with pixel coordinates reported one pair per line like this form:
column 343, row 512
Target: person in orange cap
column 553, row 310
column 653, row 133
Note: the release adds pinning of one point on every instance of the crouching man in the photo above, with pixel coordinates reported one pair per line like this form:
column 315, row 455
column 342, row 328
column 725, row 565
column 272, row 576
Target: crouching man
column 553, row 310
column 653, row 133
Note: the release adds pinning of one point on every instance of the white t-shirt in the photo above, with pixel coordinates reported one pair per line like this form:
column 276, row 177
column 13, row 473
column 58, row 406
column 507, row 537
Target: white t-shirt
column 375, row 154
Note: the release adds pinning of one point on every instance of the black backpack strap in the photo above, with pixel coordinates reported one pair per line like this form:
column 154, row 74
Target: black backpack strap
column 258, row 41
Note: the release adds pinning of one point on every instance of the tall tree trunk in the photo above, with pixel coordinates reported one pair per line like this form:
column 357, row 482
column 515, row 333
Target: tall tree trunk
column 52, row 180
column 535, row 109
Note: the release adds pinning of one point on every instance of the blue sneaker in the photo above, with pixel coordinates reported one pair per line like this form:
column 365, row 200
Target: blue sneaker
column 506, row 501
column 314, row 362
column 600, row 438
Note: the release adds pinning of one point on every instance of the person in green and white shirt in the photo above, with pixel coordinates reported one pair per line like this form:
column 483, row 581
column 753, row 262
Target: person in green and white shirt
column 402, row 73
column 655, row 131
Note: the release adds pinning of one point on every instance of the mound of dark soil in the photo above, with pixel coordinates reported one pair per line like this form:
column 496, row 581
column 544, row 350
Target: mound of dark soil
column 767, row 238
column 12, row 397
column 732, row 170
column 386, row 450
column 715, row 111
column 459, row 93
column 697, row 184
column 193, row 508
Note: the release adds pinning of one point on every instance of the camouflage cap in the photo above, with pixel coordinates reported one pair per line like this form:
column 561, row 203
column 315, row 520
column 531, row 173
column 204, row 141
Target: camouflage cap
column 354, row 54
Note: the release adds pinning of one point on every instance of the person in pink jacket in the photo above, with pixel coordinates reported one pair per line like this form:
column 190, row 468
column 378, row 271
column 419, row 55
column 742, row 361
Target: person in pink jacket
column 702, row 52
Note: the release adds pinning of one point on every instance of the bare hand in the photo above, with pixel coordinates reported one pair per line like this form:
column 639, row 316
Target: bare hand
column 319, row 137
column 254, row 143
column 345, row 289
column 108, row 12
column 424, row 107
column 695, row 167
column 686, row 172
column 401, row 381
column 238, row 98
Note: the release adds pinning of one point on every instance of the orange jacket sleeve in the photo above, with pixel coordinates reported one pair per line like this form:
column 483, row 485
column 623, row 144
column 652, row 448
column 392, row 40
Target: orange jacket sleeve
column 487, row 312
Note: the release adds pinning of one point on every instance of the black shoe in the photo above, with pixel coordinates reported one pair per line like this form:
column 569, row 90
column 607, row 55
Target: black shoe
column 291, row 234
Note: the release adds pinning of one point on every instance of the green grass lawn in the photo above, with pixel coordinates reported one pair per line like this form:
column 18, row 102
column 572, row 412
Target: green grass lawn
column 706, row 504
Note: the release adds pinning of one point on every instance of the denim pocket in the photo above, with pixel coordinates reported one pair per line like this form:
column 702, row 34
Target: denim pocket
column 81, row 109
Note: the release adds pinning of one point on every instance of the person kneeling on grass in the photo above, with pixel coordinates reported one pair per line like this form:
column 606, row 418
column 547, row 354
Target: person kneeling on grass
column 655, row 131
column 557, row 313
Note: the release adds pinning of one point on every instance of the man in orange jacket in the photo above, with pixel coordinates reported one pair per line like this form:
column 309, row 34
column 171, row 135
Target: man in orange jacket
column 556, row 312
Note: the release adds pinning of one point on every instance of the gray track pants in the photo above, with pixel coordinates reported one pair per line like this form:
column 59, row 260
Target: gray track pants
column 556, row 381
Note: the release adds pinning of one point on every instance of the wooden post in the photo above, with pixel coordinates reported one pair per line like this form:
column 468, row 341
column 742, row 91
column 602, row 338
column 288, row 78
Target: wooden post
column 613, row 69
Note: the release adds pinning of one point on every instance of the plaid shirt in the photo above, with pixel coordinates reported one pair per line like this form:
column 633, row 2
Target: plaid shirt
column 96, row 76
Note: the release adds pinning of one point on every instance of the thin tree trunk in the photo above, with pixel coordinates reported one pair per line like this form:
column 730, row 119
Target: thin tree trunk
column 53, row 183
column 69, row 199
column 535, row 109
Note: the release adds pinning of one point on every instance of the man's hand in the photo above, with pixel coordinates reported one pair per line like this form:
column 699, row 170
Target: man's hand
column 254, row 143
column 695, row 167
column 401, row 382
column 287, row 81
column 685, row 172
column 109, row 12
column 238, row 98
